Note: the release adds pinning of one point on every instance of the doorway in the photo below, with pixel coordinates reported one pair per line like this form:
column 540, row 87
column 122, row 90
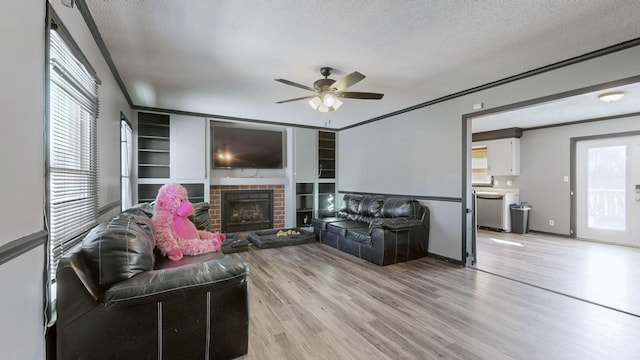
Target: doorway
column 607, row 189
column 552, row 258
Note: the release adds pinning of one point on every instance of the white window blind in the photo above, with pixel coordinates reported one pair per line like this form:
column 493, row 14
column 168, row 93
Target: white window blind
column 73, row 110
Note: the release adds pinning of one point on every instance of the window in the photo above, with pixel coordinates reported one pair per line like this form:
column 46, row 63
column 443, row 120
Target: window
column 126, row 162
column 72, row 150
column 480, row 166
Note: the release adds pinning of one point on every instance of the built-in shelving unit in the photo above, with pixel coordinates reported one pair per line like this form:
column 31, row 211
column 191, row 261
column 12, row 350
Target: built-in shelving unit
column 172, row 149
column 315, row 173
column 148, row 192
column 326, row 199
column 304, row 203
column 153, row 146
column 326, row 155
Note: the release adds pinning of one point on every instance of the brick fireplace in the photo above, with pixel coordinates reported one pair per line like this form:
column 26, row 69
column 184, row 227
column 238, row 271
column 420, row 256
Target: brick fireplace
column 215, row 209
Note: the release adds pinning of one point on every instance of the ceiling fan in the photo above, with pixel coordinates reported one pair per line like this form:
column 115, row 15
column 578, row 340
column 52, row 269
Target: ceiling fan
column 328, row 91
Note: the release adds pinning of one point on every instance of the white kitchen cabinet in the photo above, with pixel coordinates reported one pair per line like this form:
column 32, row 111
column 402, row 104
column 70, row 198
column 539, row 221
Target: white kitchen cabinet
column 503, row 156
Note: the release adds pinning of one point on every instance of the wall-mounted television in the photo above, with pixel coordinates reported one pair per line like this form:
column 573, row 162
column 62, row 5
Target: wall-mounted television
column 243, row 147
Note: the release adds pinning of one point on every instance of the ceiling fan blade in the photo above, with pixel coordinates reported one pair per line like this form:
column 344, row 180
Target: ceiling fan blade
column 296, row 99
column 347, row 81
column 295, row 84
column 360, row 95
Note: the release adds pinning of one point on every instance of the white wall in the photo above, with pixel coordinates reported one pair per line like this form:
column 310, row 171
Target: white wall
column 22, row 164
column 22, row 149
column 420, row 152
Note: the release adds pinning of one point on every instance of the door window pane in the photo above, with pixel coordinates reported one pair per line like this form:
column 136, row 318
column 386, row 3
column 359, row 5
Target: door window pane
column 606, row 184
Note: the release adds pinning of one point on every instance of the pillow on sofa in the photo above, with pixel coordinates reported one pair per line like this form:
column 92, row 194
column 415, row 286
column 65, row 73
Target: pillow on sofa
column 120, row 248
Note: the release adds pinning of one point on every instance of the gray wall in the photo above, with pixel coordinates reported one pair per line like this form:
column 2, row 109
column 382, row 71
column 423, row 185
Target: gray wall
column 22, row 149
column 545, row 160
column 420, row 152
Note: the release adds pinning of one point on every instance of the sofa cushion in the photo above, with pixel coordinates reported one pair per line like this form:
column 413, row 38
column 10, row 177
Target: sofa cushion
column 121, row 248
column 353, row 204
column 360, row 235
column 349, row 206
column 340, row 227
column 401, row 207
column 346, row 201
column 369, row 208
column 141, row 209
column 323, row 222
column 200, row 217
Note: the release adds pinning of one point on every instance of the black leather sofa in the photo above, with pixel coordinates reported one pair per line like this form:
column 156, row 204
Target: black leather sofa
column 117, row 298
column 382, row 230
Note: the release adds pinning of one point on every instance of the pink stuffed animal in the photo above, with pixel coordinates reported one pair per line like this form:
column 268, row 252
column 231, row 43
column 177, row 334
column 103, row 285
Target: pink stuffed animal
column 175, row 233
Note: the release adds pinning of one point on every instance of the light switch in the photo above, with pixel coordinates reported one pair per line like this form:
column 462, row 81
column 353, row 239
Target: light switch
column 566, row 179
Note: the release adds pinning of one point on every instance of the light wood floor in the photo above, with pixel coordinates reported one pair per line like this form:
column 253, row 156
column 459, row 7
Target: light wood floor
column 601, row 273
column 314, row 302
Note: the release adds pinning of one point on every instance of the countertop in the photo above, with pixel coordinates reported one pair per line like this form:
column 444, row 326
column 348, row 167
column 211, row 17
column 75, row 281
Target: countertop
column 491, row 190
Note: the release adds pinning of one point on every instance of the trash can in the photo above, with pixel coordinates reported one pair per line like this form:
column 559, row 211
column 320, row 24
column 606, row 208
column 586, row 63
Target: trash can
column 520, row 218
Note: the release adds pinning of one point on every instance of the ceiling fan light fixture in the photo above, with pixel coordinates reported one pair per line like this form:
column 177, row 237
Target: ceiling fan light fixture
column 336, row 103
column 328, row 99
column 611, row 96
column 329, row 91
column 315, row 102
column 318, row 104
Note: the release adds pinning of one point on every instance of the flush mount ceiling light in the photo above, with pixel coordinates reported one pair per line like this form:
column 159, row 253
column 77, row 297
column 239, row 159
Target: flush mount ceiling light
column 611, row 96
column 329, row 91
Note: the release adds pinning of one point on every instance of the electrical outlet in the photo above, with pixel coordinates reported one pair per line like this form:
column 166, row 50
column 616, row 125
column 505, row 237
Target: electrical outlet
column 552, row 223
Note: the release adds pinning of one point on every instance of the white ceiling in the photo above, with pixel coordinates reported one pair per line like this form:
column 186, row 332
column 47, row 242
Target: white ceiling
column 221, row 57
column 585, row 106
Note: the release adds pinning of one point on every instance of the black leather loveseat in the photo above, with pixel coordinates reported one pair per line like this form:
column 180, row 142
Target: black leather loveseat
column 117, row 298
column 382, row 230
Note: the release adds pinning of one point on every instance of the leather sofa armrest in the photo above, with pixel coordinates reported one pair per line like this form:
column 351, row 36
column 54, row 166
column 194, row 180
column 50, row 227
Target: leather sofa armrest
column 394, row 224
column 158, row 285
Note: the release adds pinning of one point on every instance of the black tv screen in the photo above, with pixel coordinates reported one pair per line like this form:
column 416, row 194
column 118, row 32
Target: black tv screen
column 246, row 148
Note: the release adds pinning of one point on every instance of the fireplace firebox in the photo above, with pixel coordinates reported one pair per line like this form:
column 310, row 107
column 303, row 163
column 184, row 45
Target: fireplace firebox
column 246, row 210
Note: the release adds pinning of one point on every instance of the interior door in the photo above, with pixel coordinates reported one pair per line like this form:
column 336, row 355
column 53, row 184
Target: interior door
column 608, row 190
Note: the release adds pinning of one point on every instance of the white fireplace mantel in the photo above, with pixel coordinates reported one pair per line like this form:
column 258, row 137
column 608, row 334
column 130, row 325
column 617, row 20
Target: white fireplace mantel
column 249, row 181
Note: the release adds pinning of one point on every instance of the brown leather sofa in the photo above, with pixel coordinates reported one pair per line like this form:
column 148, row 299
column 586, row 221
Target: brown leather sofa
column 117, row 298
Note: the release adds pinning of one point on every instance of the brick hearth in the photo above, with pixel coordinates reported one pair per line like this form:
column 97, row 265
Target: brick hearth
column 216, row 203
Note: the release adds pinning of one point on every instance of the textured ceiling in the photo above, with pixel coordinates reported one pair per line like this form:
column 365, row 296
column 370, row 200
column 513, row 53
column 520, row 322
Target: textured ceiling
column 221, row 57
